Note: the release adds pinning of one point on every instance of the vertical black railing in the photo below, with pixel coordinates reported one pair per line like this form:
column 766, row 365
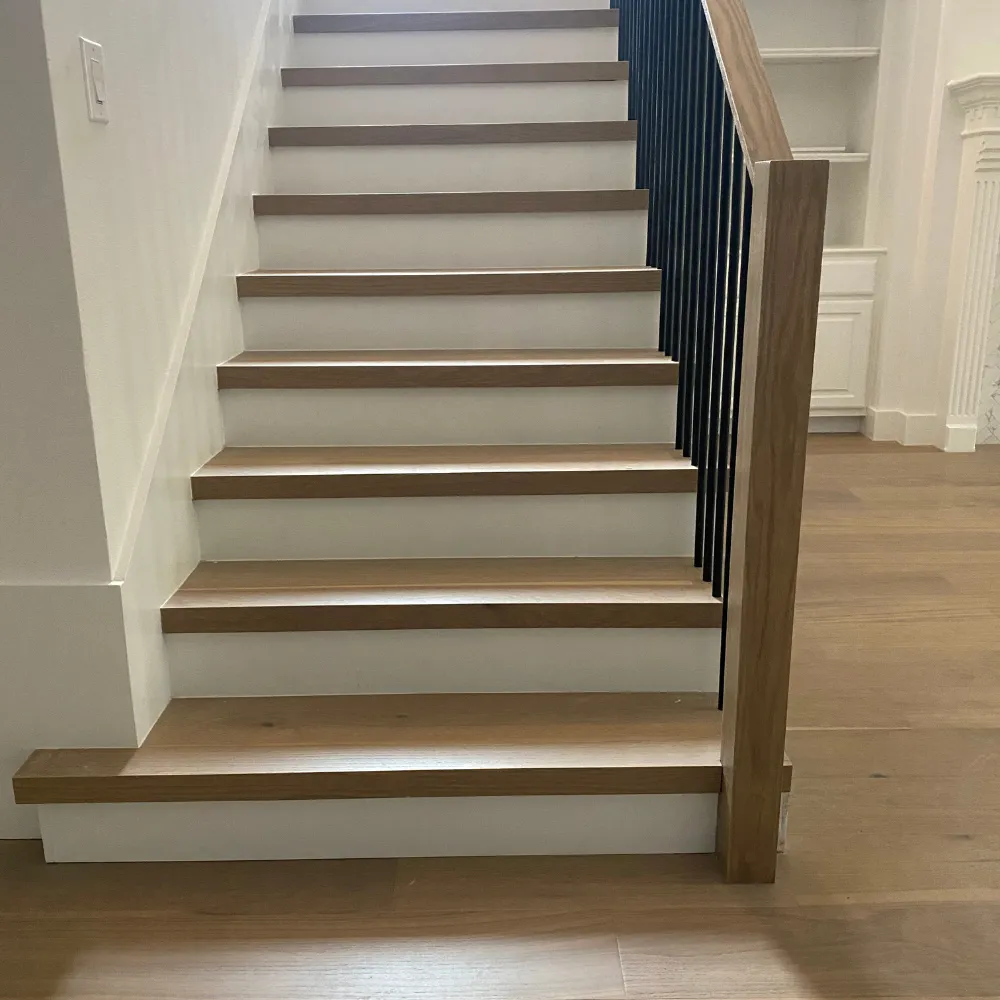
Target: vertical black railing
column 700, row 198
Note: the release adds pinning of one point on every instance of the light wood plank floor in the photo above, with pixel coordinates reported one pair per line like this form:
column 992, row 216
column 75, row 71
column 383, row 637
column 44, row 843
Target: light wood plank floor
column 891, row 887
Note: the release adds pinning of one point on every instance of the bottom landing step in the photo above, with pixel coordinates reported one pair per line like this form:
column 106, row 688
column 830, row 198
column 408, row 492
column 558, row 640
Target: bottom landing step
column 390, row 776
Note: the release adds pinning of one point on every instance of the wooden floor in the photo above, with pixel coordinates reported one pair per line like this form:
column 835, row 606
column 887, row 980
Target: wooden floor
column 890, row 888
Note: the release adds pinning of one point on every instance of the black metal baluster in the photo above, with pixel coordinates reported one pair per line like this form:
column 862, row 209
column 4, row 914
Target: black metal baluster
column 734, row 432
column 728, row 234
column 694, row 78
column 706, row 400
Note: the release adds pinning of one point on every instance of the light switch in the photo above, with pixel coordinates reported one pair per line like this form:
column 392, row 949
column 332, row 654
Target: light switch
column 93, row 78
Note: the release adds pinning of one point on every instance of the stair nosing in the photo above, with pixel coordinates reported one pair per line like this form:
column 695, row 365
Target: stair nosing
column 452, row 203
column 444, row 74
column 508, row 281
column 382, row 746
column 379, row 477
column 244, row 373
column 465, row 20
column 394, row 594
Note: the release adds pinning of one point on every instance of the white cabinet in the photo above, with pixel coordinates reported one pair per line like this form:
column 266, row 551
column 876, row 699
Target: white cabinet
column 843, row 338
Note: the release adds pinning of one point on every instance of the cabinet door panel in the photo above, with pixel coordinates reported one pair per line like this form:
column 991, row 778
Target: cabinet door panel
column 843, row 337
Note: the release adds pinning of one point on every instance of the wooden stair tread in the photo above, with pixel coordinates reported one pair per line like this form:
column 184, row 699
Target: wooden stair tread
column 446, row 369
column 447, row 470
column 452, row 203
column 492, row 281
column 457, row 73
column 475, row 134
column 365, row 594
column 460, row 20
column 398, row 745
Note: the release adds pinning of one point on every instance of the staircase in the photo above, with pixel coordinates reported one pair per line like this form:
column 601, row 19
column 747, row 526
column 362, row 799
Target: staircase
column 447, row 603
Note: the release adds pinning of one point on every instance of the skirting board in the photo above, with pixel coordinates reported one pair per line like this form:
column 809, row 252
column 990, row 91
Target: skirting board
column 380, row 828
column 835, row 425
column 906, row 428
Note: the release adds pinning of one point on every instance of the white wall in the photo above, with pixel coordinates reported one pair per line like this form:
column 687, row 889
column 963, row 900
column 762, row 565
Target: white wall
column 118, row 344
column 929, row 44
column 51, row 526
column 139, row 193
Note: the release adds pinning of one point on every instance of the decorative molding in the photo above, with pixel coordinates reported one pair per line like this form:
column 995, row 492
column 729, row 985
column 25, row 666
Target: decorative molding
column 974, row 260
column 979, row 97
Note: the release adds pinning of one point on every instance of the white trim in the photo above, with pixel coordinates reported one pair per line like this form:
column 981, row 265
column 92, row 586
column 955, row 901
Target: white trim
column 846, row 53
column 381, row 828
column 906, row 428
column 975, row 258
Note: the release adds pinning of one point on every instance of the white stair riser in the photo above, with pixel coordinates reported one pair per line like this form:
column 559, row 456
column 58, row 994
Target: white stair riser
column 566, row 239
column 380, row 828
column 467, row 104
column 446, row 322
column 408, row 48
column 431, row 661
column 428, row 527
column 394, row 6
column 622, row 415
column 532, row 166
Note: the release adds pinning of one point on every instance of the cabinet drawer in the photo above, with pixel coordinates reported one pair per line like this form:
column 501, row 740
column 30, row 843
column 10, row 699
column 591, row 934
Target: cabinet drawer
column 843, row 338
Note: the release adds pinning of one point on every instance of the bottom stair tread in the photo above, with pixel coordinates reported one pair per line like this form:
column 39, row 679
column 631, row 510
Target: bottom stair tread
column 248, row 596
column 386, row 746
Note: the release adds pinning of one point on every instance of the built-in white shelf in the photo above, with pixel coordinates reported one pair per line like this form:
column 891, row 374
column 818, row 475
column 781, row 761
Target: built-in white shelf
column 852, row 53
column 833, row 154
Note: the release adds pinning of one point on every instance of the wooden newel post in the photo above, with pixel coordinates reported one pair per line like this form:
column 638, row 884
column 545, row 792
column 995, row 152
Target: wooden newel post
column 786, row 256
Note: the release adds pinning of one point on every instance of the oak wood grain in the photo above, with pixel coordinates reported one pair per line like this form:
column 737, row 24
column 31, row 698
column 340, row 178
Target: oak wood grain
column 452, row 203
column 471, row 20
column 786, row 256
column 755, row 110
column 445, row 369
column 239, row 749
column 457, row 470
column 435, row 75
column 450, row 135
column 374, row 594
column 539, row 281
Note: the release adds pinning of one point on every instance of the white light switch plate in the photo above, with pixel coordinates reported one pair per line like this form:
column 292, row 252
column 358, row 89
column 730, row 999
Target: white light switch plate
column 93, row 77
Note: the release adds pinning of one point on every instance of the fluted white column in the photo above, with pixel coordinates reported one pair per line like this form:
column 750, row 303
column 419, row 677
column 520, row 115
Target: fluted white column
column 975, row 255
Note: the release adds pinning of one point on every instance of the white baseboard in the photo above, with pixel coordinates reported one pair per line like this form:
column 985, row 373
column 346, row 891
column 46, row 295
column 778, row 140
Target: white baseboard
column 959, row 437
column 381, row 828
column 906, row 428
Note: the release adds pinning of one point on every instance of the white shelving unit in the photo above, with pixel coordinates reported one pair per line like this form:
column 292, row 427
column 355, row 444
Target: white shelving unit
column 823, row 59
